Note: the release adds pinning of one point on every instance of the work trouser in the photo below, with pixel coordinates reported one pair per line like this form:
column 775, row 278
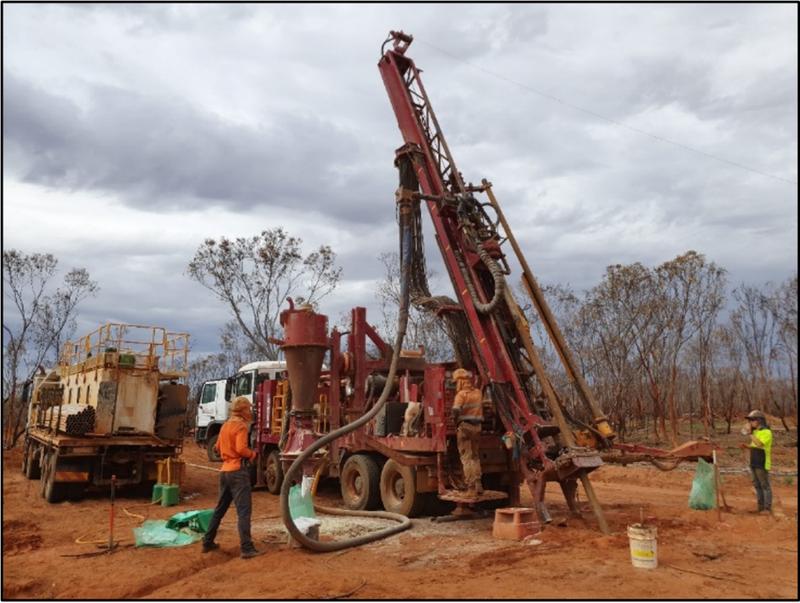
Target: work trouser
column 234, row 486
column 760, row 478
column 468, row 439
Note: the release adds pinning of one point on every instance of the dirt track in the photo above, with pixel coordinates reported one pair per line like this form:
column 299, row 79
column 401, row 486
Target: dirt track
column 746, row 556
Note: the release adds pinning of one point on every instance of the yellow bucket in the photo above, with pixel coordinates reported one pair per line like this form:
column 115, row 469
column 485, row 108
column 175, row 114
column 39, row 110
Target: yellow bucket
column 644, row 545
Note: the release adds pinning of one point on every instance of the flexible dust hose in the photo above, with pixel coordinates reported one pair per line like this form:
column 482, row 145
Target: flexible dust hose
column 404, row 522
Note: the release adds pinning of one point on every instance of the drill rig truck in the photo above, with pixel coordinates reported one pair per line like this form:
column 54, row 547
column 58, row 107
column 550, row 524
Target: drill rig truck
column 406, row 458
column 379, row 418
column 112, row 410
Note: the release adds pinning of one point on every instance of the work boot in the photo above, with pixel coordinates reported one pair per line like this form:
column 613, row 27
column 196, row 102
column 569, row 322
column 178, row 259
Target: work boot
column 207, row 548
column 471, row 493
column 252, row 553
column 765, row 512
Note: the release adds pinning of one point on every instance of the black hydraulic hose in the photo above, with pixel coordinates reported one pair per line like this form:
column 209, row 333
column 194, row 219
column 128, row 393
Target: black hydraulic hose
column 404, row 522
column 494, row 269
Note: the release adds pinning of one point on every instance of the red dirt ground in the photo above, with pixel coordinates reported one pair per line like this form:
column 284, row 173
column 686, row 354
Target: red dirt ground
column 745, row 556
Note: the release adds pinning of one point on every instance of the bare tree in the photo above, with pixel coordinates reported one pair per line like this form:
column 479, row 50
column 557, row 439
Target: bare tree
column 254, row 276
column 757, row 331
column 424, row 329
column 609, row 319
column 782, row 304
column 694, row 296
column 236, row 348
column 728, row 377
column 628, row 311
column 38, row 317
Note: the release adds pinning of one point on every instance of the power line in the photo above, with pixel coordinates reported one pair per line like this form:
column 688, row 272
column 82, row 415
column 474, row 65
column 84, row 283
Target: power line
column 608, row 119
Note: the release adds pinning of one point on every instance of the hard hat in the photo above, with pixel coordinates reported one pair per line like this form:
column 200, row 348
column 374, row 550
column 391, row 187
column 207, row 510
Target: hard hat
column 460, row 374
column 756, row 414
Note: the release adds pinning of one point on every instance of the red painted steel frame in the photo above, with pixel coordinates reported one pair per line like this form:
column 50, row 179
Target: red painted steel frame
column 399, row 74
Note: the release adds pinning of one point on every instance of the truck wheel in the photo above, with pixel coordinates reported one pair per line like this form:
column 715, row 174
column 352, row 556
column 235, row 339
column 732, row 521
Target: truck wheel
column 76, row 492
column 360, row 482
column 399, row 489
column 273, row 473
column 213, row 455
column 51, row 491
column 144, row 489
column 30, row 463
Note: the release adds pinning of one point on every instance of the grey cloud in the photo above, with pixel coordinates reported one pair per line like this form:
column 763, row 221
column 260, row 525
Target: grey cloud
column 496, row 24
column 157, row 153
column 36, row 124
column 149, row 19
column 579, row 192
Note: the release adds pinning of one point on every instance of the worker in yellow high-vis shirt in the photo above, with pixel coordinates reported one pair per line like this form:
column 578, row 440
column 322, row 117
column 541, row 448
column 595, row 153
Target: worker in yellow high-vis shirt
column 760, row 458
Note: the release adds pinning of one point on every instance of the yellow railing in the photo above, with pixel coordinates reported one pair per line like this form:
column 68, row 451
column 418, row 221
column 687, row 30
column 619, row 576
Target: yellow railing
column 321, row 424
column 116, row 345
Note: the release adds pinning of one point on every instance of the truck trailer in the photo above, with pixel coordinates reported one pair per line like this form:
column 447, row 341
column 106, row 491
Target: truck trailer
column 114, row 407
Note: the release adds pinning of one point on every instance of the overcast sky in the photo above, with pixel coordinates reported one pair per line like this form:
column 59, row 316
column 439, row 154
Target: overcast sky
column 613, row 134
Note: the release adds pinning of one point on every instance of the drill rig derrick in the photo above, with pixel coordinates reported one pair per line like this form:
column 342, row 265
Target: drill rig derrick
column 489, row 331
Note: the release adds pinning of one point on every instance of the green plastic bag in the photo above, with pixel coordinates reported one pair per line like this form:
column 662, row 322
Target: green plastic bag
column 179, row 530
column 704, row 491
column 299, row 505
column 196, row 521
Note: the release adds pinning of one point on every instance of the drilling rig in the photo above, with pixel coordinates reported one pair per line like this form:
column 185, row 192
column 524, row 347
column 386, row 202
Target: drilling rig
column 471, row 235
column 398, row 450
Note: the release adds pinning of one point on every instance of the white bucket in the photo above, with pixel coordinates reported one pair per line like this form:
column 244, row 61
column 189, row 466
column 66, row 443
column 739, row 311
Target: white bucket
column 644, row 545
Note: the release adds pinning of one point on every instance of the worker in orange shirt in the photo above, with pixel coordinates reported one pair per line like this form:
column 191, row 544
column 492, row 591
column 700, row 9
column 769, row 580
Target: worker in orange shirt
column 234, row 477
column 468, row 416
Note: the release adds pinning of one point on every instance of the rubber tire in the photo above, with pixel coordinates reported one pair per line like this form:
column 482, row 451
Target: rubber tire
column 273, row 473
column 212, row 454
column 31, row 467
column 51, row 491
column 398, row 490
column 45, row 460
column 144, row 489
column 360, row 483
column 77, row 491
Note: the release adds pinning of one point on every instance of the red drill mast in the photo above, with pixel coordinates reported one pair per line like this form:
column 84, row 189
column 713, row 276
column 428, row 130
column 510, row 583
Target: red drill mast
column 498, row 336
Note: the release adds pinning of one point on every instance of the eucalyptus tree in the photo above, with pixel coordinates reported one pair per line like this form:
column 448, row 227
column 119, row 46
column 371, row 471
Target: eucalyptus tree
column 753, row 323
column 424, row 329
column 728, row 381
column 694, row 295
column 254, row 276
column 38, row 317
column 620, row 315
column 782, row 303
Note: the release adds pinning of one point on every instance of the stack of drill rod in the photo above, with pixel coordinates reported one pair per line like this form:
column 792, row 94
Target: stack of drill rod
column 74, row 419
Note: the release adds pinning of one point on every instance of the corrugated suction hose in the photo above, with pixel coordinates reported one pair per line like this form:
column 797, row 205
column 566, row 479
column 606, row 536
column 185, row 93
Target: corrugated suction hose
column 403, row 522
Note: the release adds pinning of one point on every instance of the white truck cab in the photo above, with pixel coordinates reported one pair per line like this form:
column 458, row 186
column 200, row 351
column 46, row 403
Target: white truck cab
column 215, row 397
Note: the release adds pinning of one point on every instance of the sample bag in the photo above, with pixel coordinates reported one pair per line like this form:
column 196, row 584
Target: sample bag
column 179, row 530
column 300, row 504
column 704, row 491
